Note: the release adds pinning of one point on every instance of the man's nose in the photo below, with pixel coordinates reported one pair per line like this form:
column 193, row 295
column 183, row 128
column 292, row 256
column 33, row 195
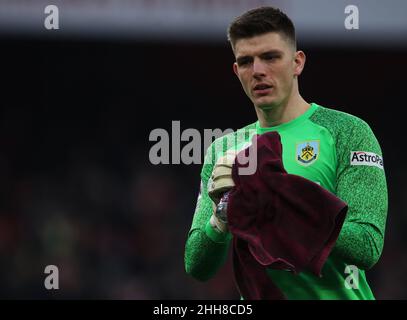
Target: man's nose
column 258, row 68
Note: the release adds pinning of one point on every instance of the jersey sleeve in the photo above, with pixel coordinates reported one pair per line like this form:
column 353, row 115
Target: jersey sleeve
column 205, row 250
column 361, row 182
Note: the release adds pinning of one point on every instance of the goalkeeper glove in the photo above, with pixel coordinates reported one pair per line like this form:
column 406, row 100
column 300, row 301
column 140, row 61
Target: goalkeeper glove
column 221, row 183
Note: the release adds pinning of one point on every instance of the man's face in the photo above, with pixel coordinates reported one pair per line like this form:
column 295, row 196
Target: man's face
column 266, row 65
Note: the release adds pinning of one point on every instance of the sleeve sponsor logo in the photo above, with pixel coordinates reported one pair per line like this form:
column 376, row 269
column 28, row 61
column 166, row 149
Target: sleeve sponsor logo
column 363, row 158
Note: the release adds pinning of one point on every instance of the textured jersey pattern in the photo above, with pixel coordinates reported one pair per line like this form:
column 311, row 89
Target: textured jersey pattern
column 364, row 188
column 203, row 257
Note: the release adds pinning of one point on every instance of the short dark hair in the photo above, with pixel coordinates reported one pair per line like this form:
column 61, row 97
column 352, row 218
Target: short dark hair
column 259, row 21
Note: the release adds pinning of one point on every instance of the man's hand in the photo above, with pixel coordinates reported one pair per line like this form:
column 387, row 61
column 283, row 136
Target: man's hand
column 221, row 182
column 221, row 178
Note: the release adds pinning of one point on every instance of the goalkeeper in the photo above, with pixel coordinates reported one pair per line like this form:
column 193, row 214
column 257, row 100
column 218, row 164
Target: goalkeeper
column 332, row 148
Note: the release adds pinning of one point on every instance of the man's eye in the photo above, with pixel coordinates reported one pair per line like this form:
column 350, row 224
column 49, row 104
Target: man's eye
column 269, row 57
column 243, row 62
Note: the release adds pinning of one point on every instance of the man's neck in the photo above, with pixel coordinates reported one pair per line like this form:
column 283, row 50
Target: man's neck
column 282, row 113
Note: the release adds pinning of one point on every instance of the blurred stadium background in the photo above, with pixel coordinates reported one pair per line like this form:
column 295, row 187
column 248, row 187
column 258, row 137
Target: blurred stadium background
column 78, row 104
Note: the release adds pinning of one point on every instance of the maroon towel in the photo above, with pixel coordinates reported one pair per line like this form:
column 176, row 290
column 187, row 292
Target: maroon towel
column 278, row 220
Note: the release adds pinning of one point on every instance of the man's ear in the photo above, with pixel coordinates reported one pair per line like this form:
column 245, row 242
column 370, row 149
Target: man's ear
column 235, row 69
column 299, row 62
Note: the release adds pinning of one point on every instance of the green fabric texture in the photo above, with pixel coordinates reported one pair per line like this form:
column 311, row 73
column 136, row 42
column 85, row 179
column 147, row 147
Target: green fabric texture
column 318, row 146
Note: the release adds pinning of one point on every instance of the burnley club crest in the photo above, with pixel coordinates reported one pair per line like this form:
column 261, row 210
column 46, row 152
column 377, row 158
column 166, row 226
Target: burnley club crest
column 307, row 152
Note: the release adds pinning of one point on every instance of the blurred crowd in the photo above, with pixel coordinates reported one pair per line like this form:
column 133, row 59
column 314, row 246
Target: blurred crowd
column 78, row 191
column 114, row 226
column 117, row 231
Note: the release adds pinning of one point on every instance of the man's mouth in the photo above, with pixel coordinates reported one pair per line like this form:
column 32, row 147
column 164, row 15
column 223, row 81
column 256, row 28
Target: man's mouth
column 262, row 88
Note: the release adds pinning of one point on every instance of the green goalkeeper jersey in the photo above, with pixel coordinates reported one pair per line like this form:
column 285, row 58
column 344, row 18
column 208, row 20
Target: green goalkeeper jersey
column 336, row 150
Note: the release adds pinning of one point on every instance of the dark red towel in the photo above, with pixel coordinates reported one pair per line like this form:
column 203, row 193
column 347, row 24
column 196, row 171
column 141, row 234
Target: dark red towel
column 278, row 220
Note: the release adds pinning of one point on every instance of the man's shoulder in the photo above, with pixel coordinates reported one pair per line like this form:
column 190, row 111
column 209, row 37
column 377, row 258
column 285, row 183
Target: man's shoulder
column 237, row 135
column 338, row 121
column 231, row 140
